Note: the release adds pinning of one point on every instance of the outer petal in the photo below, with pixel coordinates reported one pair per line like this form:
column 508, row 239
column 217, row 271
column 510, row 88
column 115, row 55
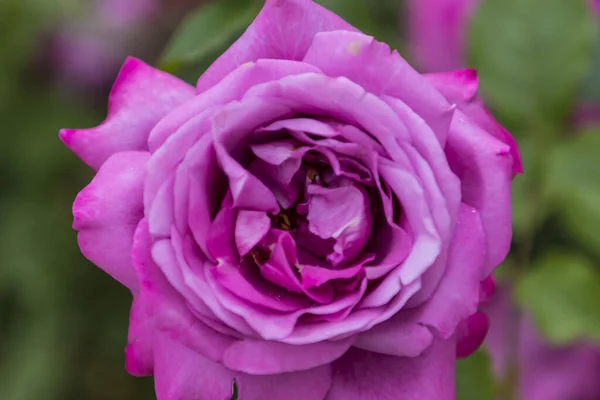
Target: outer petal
column 260, row 357
column 460, row 87
column 370, row 64
column 140, row 97
column 364, row 375
column 485, row 168
column 284, row 29
column 182, row 374
column 471, row 334
column 312, row 384
column 455, row 299
column 107, row 212
column 139, row 352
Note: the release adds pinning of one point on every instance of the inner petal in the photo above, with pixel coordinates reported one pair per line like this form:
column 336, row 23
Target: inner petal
column 344, row 214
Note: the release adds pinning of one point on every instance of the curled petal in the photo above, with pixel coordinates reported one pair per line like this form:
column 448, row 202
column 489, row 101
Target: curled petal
column 471, row 334
column 460, row 87
column 140, row 97
column 354, row 55
column 107, row 212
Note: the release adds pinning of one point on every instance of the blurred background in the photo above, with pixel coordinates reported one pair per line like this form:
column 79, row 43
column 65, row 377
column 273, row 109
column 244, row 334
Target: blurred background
column 63, row 322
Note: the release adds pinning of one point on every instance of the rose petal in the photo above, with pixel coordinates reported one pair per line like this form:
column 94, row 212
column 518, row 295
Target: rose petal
column 311, row 384
column 284, row 29
column 107, row 212
column 182, row 374
column 259, row 357
column 370, row 64
column 485, row 168
column 140, row 97
column 460, row 87
column 364, row 375
column 139, row 357
column 250, row 228
column 470, row 334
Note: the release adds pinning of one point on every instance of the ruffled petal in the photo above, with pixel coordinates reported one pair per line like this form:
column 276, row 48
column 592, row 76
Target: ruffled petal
column 456, row 298
column 372, row 65
column 140, row 97
column 107, row 212
column 364, row 375
column 460, row 87
column 284, row 29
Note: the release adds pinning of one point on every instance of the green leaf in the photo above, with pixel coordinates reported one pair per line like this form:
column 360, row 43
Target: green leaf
column 206, row 33
column 532, row 56
column 573, row 183
column 377, row 18
column 474, row 379
column 562, row 293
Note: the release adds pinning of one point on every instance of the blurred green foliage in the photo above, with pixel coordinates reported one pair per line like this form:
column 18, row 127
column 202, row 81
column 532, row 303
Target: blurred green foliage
column 63, row 323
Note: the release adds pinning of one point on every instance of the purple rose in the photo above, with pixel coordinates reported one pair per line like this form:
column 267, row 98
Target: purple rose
column 313, row 220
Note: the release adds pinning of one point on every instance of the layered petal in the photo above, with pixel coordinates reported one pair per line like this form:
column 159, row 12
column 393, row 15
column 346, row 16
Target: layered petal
column 455, row 299
column 485, row 168
column 284, row 29
column 140, row 97
column 364, row 375
column 373, row 66
column 106, row 214
column 460, row 88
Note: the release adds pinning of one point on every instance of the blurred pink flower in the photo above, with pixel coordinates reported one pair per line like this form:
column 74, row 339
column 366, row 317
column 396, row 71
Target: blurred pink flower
column 547, row 372
column 88, row 50
column 438, row 32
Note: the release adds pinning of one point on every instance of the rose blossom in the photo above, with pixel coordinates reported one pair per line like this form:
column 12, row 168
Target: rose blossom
column 313, row 220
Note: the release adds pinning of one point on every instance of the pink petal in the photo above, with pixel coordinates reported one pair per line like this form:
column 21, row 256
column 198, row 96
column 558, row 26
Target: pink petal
column 140, row 97
column 107, row 212
column 456, row 298
column 259, row 357
column 485, row 168
column 364, row 375
column 250, row 228
column 470, row 334
column 284, row 29
column 460, row 87
column 370, row 64
column 311, row 384
column 182, row 374
column 139, row 352
column 232, row 87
